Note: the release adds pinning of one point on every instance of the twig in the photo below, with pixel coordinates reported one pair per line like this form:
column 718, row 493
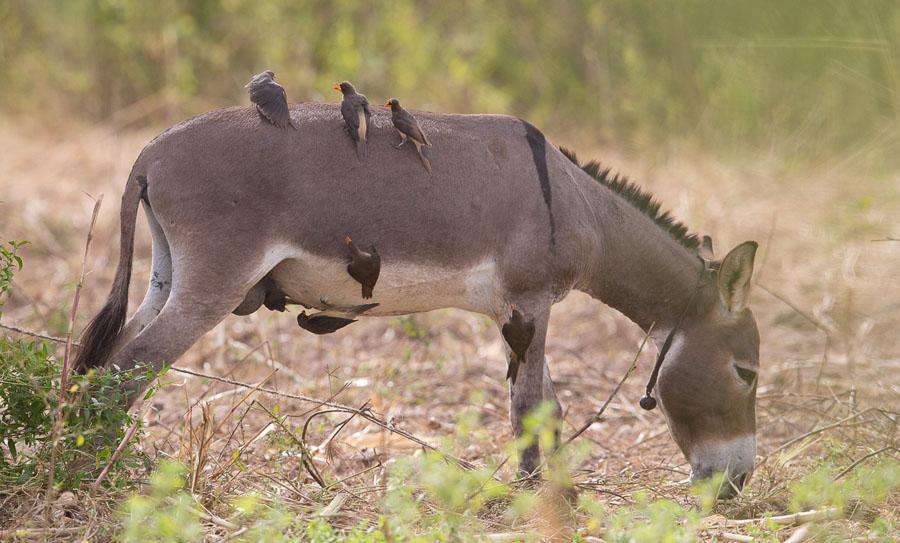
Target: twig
column 728, row 536
column 305, row 456
column 596, row 416
column 801, row 534
column 797, row 518
column 849, row 468
column 816, row 431
column 335, row 505
column 34, row 334
column 814, row 321
column 507, row 537
column 122, row 444
column 368, row 414
column 63, row 380
column 236, row 534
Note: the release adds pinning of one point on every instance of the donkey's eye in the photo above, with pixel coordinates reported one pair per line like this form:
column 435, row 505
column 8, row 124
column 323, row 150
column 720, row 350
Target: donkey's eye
column 748, row 376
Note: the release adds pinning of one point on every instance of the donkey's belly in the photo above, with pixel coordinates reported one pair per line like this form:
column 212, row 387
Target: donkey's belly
column 402, row 287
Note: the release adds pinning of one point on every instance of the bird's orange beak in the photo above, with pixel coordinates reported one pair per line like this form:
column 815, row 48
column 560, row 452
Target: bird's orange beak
column 387, row 105
column 337, row 86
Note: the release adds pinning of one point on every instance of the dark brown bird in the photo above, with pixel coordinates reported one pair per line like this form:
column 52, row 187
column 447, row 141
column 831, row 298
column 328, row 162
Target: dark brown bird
column 332, row 317
column 356, row 113
column 322, row 324
column 270, row 99
column 409, row 129
column 518, row 334
column 364, row 266
column 344, row 310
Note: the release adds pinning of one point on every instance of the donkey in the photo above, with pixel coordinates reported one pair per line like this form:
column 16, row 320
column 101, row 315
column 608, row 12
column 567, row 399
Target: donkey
column 505, row 219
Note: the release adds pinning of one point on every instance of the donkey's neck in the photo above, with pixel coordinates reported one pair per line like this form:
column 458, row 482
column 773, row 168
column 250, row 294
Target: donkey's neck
column 638, row 267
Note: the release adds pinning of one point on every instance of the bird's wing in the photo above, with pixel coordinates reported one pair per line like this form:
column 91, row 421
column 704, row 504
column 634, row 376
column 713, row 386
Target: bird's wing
column 350, row 117
column 271, row 101
column 407, row 124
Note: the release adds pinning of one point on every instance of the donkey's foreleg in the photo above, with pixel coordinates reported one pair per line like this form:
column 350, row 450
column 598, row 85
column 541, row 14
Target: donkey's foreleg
column 527, row 393
column 550, row 396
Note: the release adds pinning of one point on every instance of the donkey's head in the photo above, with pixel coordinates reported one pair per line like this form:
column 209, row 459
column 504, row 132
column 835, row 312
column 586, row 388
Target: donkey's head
column 707, row 385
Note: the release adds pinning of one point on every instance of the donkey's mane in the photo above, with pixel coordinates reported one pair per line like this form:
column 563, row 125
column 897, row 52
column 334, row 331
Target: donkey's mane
column 637, row 197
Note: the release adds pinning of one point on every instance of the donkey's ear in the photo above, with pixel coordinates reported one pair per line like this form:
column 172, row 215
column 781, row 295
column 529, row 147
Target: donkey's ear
column 705, row 250
column 734, row 276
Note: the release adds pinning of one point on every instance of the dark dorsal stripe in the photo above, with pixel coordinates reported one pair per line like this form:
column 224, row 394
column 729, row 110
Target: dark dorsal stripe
column 538, row 144
column 637, row 197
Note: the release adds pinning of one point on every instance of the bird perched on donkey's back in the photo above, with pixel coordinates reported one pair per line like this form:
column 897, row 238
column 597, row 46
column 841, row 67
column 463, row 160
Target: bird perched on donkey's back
column 270, row 99
column 356, row 113
column 409, row 129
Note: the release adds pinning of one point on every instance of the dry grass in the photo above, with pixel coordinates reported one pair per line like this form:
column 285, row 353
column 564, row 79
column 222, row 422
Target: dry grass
column 830, row 363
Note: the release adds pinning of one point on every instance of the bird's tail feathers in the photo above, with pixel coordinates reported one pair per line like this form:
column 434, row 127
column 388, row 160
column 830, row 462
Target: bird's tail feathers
column 425, row 161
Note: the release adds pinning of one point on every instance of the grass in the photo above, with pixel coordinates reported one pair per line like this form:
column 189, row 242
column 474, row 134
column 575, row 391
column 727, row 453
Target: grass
column 216, row 460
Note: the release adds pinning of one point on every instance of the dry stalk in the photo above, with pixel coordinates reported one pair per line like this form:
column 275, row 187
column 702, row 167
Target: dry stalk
column 819, row 430
column 849, row 468
column 596, row 416
column 305, row 456
column 122, row 444
column 368, row 414
column 67, row 359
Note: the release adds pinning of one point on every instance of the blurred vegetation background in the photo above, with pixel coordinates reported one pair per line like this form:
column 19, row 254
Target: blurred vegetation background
column 801, row 80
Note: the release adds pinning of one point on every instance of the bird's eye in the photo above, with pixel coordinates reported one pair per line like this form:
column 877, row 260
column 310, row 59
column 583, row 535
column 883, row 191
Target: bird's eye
column 748, row 376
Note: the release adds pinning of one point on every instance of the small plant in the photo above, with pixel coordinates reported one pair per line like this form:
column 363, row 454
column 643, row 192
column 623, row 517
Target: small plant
column 167, row 514
column 10, row 262
column 93, row 420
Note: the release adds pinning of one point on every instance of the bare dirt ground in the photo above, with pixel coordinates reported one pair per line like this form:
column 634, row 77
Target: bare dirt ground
column 827, row 299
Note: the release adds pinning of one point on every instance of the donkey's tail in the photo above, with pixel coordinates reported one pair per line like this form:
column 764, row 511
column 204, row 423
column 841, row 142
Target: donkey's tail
column 99, row 335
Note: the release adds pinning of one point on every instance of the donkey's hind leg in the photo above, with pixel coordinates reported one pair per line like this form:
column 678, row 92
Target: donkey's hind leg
column 157, row 290
column 199, row 300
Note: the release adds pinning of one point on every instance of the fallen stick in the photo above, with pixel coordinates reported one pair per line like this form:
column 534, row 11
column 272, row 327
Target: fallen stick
column 728, row 536
column 829, row 513
column 334, row 507
column 801, row 534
